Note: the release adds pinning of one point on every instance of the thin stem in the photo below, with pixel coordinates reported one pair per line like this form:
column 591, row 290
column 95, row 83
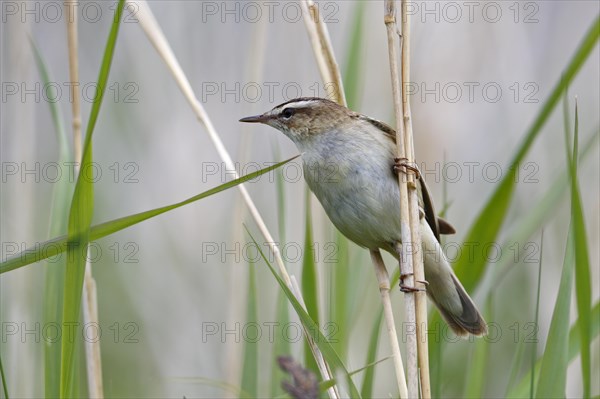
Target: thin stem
column 321, row 45
column 407, row 248
column 323, row 368
column 418, row 267
column 89, row 294
column 319, row 37
column 155, row 35
column 384, row 288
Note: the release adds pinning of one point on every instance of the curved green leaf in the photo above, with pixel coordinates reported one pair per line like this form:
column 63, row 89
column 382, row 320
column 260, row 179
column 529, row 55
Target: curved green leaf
column 521, row 389
column 583, row 293
column 311, row 328
column 80, row 220
column 58, row 245
column 487, row 224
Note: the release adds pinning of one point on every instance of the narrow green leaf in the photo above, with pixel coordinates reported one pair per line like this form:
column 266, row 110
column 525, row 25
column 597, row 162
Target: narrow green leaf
column 280, row 187
column 55, row 272
column 476, row 372
column 310, row 289
column 344, row 283
column 553, row 373
column 583, row 291
column 366, row 390
column 80, row 220
column 4, row 383
column 58, row 245
column 250, row 365
column 309, row 280
column 281, row 346
column 311, row 328
column 530, row 223
column 515, row 367
column 325, row 385
column 537, row 318
column 353, row 71
column 521, row 389
column 487, row 224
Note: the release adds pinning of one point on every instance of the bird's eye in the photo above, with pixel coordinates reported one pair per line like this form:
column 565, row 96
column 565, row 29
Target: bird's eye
column 287, row 113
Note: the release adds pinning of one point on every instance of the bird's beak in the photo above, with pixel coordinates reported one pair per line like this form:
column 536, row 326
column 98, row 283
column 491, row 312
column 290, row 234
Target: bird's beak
column 256, row 119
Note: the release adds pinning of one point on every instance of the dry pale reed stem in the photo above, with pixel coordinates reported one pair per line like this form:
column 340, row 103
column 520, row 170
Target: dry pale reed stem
column 330, row 72
column 92, row 349
column 155, row 35
column 405, row 247
column 323, row 368
column 418, row 267
column 384, row 288
column 89, row 294
column 321, row 45
column 152, row 30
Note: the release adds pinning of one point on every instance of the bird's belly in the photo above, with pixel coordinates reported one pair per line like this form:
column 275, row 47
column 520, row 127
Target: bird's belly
column 362, row 202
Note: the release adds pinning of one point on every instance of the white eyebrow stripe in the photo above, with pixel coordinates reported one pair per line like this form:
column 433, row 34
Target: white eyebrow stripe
column 299, row 104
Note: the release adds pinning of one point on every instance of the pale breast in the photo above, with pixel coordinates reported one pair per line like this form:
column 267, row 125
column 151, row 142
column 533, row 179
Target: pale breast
column 353, row 180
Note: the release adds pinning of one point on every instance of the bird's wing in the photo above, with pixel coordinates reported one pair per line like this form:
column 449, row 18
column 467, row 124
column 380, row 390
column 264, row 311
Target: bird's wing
column 427, row 204
column 384, row 128
column 437, row 224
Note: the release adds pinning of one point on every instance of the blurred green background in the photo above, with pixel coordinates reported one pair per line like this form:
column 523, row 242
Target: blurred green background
column 173, row 291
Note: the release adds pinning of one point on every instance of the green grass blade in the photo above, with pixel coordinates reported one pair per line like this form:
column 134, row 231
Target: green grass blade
column 583, row 285
column 250, row 365
column 487, row 224
column 80, row 220
column 476, row 371
column 58, row 245
column 311, row 328
column 4, row 383
column 547, row 205
column 553, row 373
column 515, row 367
column 353, row 71
column 55, row 113
column 367, row 385
column 537, row 318
column 281, row 346
column 310, row 290
column 521, row 389
column 280, row 187
column 55, row 272
column 341, row 301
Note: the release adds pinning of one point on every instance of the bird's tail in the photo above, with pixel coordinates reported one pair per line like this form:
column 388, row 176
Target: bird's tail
column 465, row 321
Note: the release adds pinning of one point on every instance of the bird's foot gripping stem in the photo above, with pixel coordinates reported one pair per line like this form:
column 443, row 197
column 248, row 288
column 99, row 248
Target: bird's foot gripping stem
column 401, row 165
column 405, row 288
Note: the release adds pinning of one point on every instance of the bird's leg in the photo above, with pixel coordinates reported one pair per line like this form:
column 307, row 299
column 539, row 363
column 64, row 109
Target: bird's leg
column 402, row 165
column 403, row 275
column 406, row 288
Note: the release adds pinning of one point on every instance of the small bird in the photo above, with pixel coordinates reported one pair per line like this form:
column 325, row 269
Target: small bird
column 349, row 164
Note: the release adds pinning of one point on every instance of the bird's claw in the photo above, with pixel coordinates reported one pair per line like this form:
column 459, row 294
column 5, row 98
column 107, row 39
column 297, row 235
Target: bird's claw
column 402, row 165
column 405, row 288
